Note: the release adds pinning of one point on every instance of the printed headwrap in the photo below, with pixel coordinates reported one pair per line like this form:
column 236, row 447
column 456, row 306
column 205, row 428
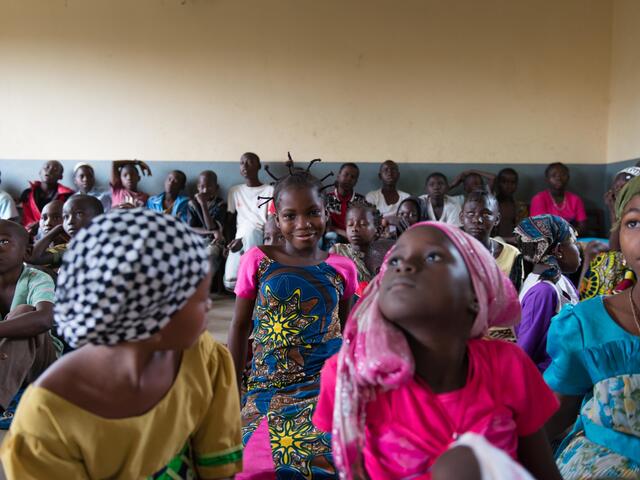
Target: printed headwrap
column 630, row 190
column 125, row 275
column 630, row 171
column 375, row 354
column 538, row 236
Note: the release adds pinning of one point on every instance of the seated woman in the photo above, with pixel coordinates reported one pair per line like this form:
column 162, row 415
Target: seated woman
column 479, row 218
column 549, row 243
column 595, row 370
column 607, row 272
column 557, row 200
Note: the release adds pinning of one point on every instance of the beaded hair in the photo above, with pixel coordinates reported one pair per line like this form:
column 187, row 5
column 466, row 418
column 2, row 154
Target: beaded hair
column 297, row 178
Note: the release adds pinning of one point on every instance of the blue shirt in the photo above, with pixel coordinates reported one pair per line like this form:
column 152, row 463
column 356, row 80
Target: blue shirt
column 180, row 206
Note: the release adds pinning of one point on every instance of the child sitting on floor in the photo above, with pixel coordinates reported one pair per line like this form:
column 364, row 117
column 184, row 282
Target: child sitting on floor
column 414, row 376
column 170, row 201
column 248, row 212
column 387, row 198
column 26, row 309
column 364, row 224
column 512, row 211
column 145, row 374
column 440, row 206
column 77, row 213
column 124, row 183
column 294, row 297
column 557, row 200
column 84, row 179
column 51, row 217
column 549, row 243
column 39, row 193
column 208, row 212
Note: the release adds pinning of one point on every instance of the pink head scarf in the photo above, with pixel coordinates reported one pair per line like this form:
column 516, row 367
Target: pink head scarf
column 375, row 354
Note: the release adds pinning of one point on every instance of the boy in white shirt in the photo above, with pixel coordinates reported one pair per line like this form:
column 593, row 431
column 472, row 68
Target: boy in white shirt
column 388, row 198
column 242, row 204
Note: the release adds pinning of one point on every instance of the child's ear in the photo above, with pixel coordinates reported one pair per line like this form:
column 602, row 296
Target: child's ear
column 27, row 253
column 277, row 220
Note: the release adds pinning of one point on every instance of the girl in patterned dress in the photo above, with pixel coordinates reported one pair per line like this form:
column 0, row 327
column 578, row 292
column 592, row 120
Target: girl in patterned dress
column 294, row 298
column 595, row 370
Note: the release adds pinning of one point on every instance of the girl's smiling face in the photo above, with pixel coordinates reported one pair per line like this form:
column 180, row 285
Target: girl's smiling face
column 426, row 288
column 301, row 217
column 630, row 234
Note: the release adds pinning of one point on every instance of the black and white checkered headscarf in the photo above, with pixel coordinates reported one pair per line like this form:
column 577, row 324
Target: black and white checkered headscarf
column 125, row 275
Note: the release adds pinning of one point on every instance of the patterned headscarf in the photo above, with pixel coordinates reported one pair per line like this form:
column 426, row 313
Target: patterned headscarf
column 375, row 354
column 630, row 171
column 630, row 190
column 538, row 236
column 125, row 275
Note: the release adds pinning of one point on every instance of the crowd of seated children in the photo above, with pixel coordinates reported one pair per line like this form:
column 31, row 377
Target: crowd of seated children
column 419, row 341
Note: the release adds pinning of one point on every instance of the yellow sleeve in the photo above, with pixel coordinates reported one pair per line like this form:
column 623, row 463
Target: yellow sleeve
column 25, row 457
column 217, row 444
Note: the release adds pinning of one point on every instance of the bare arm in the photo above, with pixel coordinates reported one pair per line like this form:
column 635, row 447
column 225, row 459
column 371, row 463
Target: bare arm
column 28, row 324
column 581, row 227
column 564, row 417
column 209, row 222
column 38, row 254
column 239, row 332
column 344, row 307
column 534, row 453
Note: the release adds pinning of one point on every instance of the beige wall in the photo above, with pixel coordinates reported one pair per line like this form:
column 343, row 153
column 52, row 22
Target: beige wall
column 624, row 115
column 506, row 81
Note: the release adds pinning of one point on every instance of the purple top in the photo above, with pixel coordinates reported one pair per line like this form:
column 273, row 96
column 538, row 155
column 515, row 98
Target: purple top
column 539, row 306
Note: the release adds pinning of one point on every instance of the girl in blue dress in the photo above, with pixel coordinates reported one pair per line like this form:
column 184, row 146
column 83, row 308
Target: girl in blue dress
column 595, row 370
column 294, row 298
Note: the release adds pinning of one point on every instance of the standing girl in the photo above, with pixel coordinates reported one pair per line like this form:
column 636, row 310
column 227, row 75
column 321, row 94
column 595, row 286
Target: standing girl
column 414, row 376
column 595, row 369
column 301, row 297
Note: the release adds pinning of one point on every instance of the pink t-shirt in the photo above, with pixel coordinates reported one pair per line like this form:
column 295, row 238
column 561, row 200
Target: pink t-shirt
column 571, row 209
column 409, row 428
column 122, row 195
column 247, row 283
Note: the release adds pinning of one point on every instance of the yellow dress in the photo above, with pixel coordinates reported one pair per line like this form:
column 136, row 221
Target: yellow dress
column 193, row 432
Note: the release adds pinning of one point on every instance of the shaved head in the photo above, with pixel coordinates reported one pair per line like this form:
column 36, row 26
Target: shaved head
column 14, row 230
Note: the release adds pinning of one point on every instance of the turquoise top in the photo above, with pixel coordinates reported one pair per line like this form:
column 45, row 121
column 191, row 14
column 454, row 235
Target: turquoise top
column 594, row 356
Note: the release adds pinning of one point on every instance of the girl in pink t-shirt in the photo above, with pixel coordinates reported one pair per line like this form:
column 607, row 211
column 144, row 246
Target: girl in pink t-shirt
column 414, row 376
column 556, row 200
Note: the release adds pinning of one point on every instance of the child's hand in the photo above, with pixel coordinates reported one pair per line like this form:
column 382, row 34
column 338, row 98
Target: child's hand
column 144, row 168
column 235, row 245
column 201, row 198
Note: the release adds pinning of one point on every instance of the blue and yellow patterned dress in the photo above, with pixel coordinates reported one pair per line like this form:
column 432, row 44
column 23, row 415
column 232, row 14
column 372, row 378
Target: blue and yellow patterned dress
column 295, row 329
column 594, row 356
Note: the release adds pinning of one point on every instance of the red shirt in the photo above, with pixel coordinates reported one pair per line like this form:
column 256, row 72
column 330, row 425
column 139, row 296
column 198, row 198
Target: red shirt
column 31, row 209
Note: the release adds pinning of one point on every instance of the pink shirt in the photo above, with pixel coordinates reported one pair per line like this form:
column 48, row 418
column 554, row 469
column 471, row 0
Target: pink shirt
column 571, row 209
column 409, row 428
column 122, row 195
column 247, row 283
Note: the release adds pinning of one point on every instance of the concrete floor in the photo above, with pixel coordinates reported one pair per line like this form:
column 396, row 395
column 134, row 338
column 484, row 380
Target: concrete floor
column 219, row 318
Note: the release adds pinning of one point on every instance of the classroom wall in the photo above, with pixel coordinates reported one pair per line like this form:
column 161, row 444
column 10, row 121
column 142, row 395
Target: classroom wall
column 420, row 81
column 624, row 113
